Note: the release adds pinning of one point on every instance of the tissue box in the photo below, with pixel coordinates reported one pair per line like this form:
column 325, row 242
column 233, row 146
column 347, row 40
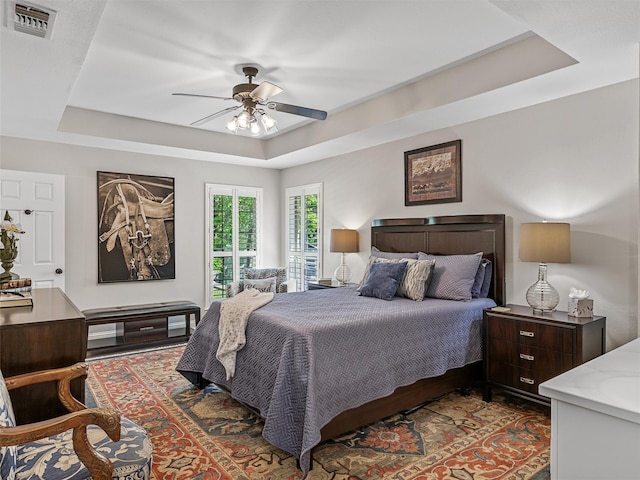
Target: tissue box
column 580, row 307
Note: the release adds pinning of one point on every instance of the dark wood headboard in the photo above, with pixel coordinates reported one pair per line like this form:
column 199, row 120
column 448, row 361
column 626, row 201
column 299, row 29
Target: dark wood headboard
column 448, row 235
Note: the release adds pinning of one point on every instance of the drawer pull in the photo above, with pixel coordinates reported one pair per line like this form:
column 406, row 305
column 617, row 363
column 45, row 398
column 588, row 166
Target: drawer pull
column 524, row 333
column 142, row 329
column 527, row 380
column 524, row 356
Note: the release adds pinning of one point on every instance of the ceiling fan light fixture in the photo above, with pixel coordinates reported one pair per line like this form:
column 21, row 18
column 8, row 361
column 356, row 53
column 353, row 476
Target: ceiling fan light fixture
column 251, row 97
column 232, row 125
column 269, row 123
column 254, row 127
column 244, row 120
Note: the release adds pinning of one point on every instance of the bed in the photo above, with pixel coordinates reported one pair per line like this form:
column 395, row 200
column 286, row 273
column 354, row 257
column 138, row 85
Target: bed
column 321, row 363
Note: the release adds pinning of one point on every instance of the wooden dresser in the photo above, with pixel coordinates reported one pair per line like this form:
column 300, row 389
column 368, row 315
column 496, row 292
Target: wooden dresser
column 522, row 349
column 51, row 334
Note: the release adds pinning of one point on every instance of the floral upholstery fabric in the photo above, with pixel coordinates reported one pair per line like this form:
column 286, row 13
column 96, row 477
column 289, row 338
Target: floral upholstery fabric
column 53, row 457
column 7, row 419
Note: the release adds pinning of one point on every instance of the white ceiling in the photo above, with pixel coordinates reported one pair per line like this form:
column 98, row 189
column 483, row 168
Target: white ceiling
column 383, row 70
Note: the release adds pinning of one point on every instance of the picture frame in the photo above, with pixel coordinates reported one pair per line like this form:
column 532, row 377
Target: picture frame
column 433, row 174
column 135, row 227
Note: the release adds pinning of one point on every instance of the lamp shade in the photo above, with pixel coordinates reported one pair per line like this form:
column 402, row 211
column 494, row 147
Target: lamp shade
column 343, row 240
column 545, row 242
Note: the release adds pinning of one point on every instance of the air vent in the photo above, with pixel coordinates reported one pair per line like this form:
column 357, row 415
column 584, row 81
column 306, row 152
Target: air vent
column 30, row 19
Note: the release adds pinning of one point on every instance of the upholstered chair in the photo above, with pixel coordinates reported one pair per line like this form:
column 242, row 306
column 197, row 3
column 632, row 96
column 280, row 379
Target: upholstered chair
column 87, row 443
column 258, row 278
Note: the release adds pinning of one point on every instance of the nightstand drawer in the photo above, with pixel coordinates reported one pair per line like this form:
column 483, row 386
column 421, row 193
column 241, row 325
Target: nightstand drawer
column 517, row 377
column 552, row 362
column 552, row 337
column 544, row 362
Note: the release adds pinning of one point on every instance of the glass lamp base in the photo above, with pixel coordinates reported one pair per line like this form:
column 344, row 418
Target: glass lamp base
column 343, row 274
column 541, row 295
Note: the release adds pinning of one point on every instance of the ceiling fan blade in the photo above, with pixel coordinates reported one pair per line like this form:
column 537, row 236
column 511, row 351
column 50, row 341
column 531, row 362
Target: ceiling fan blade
column 264, row 91
column 214, row 115
column 203, row 96
column 297, row 110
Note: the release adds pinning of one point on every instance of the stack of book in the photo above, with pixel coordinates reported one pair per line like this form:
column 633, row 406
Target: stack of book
column 16, row 293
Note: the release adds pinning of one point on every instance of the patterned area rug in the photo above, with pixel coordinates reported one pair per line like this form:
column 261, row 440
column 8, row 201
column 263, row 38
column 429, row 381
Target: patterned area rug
column 205, row 434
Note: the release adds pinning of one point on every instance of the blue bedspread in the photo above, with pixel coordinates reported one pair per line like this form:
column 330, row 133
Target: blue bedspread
column 312, row 355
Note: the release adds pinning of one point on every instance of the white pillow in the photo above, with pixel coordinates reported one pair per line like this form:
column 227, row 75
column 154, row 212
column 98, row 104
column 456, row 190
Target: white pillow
column 262, row 284
column 415, row 281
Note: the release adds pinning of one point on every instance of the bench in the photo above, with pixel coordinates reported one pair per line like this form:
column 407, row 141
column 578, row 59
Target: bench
column 140, row 325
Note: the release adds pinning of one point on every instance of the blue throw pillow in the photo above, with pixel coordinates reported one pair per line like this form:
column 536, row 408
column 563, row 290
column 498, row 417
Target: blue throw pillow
column 383, row 280
column 482, row 282
column 486, row 282
column 477, row 283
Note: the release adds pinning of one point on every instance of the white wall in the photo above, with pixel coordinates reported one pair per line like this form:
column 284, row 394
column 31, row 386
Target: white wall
column 79, row 166
column 573, row 159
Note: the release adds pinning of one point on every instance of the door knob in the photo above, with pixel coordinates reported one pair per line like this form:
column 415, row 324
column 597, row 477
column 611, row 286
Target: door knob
column 58, row 271
column 28, row 212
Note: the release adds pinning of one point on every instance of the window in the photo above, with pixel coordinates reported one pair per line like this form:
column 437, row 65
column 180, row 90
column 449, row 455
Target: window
column 304, row 234
column 233, row 238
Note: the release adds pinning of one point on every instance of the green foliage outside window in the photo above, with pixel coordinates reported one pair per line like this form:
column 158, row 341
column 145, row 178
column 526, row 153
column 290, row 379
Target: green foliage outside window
column 222, row 223
column 223, row 238
column 311, row 217
column 247, row 234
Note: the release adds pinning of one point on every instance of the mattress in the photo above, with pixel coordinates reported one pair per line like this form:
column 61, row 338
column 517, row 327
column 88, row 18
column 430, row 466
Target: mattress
column 312, row 355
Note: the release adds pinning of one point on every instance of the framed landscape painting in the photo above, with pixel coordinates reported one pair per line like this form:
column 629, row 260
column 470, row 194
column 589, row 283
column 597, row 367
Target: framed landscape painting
column 135, row 228
column 433, row 174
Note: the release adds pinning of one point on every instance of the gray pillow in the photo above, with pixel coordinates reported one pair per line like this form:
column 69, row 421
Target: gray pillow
column 383, row 280
column 415, row 280
column 262, row 285
column 452, row 276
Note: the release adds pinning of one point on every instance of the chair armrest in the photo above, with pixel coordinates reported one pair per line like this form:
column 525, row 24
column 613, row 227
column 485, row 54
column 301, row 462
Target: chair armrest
column 62, row 375
column 109, row 420
column 290, row 285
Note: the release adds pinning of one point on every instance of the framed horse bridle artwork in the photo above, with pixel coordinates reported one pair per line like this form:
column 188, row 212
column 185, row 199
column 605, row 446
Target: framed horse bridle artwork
column 135, row 227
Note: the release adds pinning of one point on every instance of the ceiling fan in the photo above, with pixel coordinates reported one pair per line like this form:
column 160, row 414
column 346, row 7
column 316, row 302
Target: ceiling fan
column 252, row 99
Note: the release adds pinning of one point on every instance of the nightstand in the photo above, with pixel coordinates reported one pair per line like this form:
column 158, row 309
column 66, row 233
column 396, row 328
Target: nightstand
column 522, row 349
column 334, row 284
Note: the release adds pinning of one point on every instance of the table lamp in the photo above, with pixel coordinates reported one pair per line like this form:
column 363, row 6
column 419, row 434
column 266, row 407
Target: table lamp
column 544, row 242
column 344, row 241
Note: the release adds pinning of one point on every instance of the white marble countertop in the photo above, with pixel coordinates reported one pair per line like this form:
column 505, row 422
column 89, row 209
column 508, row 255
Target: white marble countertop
column 608, row 384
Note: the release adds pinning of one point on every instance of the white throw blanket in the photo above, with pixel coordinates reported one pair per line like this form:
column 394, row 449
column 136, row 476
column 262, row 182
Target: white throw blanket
column 234, row 313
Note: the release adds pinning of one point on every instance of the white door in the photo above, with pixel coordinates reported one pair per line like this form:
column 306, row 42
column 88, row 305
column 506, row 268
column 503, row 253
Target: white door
column 35, row 201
